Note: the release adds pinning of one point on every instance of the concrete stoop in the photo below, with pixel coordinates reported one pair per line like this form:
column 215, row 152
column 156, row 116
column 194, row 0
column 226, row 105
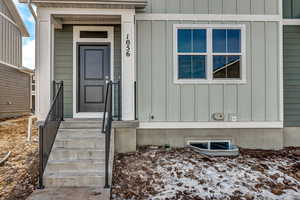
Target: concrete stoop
column 78, row 155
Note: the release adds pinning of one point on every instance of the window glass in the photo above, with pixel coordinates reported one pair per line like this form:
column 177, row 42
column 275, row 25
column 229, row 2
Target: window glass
column 93, row 34
column 190, row 66
column 219, row 145
column 227, row 41
column 219, row 41
column 201, row 145
column 184, row 40
column 226, row 67
column 233, row 41
column 191, row 40
column 199, row 40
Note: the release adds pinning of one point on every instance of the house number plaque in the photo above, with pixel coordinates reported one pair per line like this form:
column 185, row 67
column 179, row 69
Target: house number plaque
column 128, row 43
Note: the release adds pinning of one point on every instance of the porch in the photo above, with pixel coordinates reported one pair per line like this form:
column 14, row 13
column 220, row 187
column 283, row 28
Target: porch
column 86, row 48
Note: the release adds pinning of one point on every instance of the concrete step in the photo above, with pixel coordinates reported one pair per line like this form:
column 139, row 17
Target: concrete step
column 74, row 179
column 81, row 124
column 58, row 166
column 79, row 133
column 80, row 142
column 76, row 154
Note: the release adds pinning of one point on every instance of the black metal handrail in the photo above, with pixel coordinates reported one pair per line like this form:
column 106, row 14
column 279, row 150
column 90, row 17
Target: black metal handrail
column 106, row 127
column 48, row 130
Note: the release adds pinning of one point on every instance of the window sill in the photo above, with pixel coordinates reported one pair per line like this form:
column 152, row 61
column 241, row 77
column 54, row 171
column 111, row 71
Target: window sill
column 211, row 82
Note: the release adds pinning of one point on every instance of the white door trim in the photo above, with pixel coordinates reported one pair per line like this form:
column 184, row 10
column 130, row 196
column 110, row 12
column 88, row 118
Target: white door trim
column 77, row 39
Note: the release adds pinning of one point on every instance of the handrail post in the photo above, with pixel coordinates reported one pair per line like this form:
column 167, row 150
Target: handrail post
column 41, row 156
column 62, row 99
column 119, row 100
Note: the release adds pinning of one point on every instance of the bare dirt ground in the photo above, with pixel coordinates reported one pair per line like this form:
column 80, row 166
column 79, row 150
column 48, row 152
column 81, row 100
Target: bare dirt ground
column 18, row 174
column 183, row 174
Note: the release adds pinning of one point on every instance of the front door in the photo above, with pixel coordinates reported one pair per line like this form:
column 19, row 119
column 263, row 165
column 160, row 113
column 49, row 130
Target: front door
column 94, row 70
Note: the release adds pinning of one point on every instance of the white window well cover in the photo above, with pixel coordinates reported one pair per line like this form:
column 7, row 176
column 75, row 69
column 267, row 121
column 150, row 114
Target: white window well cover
column 209, row 53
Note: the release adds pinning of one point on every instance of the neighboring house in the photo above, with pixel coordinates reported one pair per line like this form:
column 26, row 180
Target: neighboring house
column 204, row 70
column 14, row 79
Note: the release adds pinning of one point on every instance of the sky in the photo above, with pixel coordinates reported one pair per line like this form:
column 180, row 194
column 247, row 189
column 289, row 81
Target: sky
column 28, row 43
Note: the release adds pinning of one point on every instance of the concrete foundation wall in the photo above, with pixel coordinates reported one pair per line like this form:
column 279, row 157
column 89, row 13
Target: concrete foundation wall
column 128, row 138
column 292, row 136
column 246, row 138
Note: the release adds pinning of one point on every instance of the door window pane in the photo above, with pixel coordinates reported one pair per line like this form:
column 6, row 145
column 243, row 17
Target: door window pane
column 226, row 67
column 191, row 67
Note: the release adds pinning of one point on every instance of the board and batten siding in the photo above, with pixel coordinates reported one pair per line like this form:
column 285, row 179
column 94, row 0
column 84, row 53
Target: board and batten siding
column 158, row 96
column 14, row 92
column 63, row 61
column 291, row 9
column 255, row 7
column 10, row 39
column 291, row 75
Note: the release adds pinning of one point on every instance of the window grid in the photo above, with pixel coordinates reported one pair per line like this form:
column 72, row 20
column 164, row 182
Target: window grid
column 209, row 54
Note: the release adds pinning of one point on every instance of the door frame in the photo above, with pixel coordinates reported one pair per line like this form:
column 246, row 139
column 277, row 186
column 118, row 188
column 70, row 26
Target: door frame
column 91, row 41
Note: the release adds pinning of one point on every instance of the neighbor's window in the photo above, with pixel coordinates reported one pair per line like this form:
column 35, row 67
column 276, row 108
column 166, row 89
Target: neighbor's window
column 209, row 53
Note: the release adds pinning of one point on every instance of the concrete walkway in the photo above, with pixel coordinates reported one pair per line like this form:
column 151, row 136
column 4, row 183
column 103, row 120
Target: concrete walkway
column 70, row 194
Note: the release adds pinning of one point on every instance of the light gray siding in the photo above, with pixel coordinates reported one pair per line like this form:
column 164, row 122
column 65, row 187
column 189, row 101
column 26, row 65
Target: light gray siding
column 257, row 7
column 10, row 39
column 63, row 61
column 15, row 92
column 158, row 96
column 291, row 75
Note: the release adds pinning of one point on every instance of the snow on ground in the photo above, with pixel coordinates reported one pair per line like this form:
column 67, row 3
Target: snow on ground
column 185, row 174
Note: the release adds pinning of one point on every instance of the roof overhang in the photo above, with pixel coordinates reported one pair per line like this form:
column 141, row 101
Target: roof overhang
column 89, row 3
column 17, row 17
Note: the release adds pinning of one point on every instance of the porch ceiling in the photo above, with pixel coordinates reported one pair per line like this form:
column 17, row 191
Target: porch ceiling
column 88, row 19
column 89, row 3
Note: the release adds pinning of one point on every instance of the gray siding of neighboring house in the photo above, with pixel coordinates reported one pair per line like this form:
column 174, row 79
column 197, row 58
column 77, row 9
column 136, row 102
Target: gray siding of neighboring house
column 15, row 92
column 63, row 61
column 10, row 39
column 213, row 6
column 291, row 69
column 291, row 9
column 258, row 100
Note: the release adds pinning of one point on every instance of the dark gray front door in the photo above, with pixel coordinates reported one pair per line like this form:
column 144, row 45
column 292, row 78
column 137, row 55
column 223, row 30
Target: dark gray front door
column 94, row 70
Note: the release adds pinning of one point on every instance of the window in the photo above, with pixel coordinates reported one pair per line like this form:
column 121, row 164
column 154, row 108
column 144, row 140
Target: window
column 93, row 34
column 209, row 53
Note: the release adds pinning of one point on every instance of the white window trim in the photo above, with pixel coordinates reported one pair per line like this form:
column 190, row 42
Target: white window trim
column 209, row 79
column 209, row 143
column 77, row 39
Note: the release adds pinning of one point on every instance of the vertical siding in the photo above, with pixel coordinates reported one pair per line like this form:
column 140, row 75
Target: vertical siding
column 63, row 65
column 63, row 61
column 10, row 48
column 291, row 9
column 212, row 6
column 257, row 100
column 291, row 75
column 15, row 92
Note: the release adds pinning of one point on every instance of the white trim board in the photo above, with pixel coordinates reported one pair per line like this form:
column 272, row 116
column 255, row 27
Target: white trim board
column 208, row 125
column 77, row 39
column 295, row 22
column 208, row 17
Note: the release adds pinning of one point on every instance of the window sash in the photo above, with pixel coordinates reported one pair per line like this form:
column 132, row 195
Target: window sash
column 210, row 54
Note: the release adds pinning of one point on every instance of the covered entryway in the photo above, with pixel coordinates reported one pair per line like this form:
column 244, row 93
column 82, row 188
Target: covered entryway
column 87, row 48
